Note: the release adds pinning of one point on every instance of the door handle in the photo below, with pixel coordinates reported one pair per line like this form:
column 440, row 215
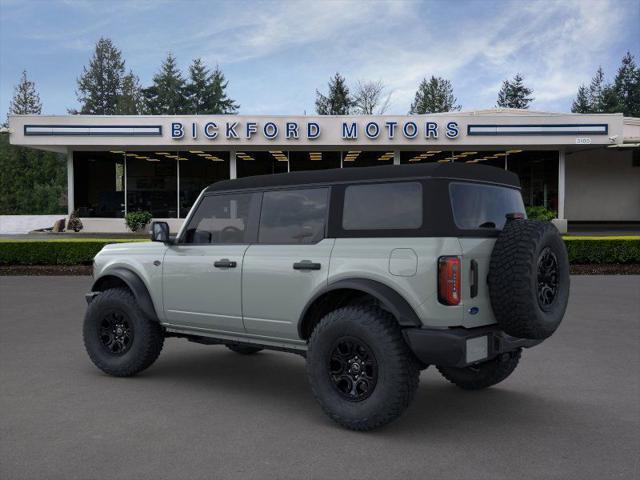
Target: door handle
column 224, row 263
column 306, row 265
column 474, row 279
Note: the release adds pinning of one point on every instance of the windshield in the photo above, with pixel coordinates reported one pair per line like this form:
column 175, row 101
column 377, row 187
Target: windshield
column 476, row 206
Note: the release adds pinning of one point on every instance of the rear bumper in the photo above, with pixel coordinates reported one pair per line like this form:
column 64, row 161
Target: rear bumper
column 461, row 347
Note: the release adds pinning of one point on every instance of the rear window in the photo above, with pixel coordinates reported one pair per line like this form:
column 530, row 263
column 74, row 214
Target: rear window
column 483, row 206
column 383, row 206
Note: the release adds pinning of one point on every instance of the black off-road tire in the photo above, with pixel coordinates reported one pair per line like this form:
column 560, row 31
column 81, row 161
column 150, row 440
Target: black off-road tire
column 485, row 374
column 243, row 349
column 397, row 370
column 515, row 279
column 147, row 335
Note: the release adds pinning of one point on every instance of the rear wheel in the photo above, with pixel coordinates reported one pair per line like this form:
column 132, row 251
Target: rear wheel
column 361, row 371
column 484, row 374
column 118, row 337
column 243, row 349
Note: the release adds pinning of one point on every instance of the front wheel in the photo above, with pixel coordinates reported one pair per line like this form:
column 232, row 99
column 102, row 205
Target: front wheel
column 360, row 369
column 119, row 338
column 483, row 375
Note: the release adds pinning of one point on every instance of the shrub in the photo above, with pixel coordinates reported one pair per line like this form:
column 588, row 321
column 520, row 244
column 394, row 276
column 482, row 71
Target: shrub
column 540, row 213
column 75, row 223
column 73, row 251
column 603, row 249
column 137, row 220
column 77, row 251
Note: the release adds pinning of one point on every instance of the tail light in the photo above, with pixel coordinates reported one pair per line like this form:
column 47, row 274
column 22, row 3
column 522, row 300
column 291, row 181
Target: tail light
column 449, row 280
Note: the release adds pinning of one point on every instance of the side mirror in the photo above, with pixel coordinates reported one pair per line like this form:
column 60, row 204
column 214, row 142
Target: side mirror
column 160, row 232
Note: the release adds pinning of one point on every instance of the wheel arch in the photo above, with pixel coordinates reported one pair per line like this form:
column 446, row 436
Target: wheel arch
column 345, row 291
column 123, row 277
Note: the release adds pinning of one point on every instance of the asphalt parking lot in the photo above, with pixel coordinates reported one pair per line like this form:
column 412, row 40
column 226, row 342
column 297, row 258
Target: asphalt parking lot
column 571, row 410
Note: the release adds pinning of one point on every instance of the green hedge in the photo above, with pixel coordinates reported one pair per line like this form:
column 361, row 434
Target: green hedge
column 73, row 251
column 584, row 250
column 79, row 251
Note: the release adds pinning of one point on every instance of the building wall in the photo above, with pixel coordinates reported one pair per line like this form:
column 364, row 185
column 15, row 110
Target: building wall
column 602, row 185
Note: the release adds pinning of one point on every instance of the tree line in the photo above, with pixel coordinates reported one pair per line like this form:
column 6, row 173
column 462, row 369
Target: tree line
column 106, row 88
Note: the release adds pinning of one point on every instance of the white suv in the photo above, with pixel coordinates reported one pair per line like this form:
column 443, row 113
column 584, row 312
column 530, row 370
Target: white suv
column 371, row 273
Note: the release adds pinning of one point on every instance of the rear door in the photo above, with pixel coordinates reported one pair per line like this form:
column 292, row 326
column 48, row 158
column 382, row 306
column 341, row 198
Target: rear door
column 289, row 263
column 480, row 210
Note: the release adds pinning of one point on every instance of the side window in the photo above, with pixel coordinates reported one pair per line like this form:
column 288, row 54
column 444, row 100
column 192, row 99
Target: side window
column 220, row 219
column 382, row 206
column 293, row 216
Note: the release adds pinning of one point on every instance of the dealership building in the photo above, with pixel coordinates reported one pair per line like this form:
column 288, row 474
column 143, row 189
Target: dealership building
column 584, row 167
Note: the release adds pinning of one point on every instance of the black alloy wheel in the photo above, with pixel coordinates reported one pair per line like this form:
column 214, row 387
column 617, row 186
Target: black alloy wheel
column 547, row 278
column 353, row 369
column 116, row 333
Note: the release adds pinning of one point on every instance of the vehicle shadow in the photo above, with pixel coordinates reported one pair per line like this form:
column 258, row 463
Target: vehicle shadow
column 279, row 382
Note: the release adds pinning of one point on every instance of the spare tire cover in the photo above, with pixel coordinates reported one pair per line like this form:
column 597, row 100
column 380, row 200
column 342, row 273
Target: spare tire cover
column 529, row 279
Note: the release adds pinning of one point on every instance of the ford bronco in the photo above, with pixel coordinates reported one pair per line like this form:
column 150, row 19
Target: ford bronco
column 370, row 273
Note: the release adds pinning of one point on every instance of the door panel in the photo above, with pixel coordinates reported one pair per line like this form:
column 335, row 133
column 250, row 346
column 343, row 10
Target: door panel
column 202, row 274
column 199, row 294
column 289, row 263
column 275, row 292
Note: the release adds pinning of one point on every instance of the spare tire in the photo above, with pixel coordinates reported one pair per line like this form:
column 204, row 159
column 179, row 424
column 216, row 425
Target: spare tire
column 529, row 279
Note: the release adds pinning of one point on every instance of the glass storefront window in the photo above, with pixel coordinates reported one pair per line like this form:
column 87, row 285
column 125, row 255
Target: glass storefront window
column 152, row 184
column 364, row 158
column 150, row 179
column 99, row 184
column 538, row 172
column 199, row 169
column 250, row 163
column 314, row 160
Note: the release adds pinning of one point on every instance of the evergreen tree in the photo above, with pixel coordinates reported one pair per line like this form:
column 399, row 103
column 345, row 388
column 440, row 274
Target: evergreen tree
column 581, row 104
column 196, row 89
column 514, row 94
column 338, row 101
column 433, row 96
column 206, row 92
column 31, row 181
column 596, row 91
column 218, row 100
column 99, row 86
column 25, row 99
column 627, row 86
column 130, row 101
column 167, row 95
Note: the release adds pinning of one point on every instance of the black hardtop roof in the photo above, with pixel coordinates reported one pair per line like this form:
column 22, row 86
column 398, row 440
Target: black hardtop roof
column 458, row 171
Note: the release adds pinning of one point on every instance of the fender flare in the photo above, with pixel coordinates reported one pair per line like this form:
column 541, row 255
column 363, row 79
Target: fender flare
column 135, row 284
column 395, row 303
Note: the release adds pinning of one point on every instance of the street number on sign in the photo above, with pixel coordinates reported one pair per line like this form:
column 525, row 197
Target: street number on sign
column 583, row 141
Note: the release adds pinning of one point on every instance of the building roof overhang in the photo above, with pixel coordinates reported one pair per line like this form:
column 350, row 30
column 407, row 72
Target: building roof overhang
column 478, row 129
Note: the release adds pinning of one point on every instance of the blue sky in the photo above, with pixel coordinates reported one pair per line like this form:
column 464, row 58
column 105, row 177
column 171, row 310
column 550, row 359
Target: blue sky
column 276, row 53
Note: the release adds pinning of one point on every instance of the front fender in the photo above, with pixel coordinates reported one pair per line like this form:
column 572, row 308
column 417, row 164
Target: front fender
column 135, row 284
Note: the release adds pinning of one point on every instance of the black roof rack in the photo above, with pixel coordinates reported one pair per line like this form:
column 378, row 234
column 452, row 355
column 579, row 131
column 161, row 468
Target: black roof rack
column 461, row 171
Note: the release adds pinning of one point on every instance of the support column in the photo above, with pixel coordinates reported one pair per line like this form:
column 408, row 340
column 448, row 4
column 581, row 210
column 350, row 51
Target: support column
column 178, row 188
column 396, row 157
column 70, row 183
column 561, row 183
column 232, row 165
column 561, row 222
